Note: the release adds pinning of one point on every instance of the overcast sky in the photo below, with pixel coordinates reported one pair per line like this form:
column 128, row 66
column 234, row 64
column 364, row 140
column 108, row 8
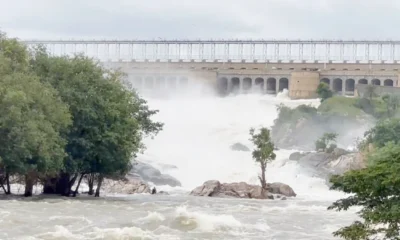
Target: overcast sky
column 205, row 19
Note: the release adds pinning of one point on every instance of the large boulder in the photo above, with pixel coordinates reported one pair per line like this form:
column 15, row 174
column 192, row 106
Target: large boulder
column 297, row 155
column 240, row 147
column 324, row 165
column 126, row 186
column 281, row 188
column 148, row 173
column 214, row 188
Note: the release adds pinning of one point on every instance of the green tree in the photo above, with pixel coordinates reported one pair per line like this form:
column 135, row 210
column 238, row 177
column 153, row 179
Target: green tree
column 384, row 131
column 263, row 152
column 14, row 53
column 32, row 119
column 377, row 190
column 326, row 142
column 324, row 91
column 109, row 121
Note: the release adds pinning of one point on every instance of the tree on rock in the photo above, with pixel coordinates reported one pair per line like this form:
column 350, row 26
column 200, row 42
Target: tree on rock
column 377, row 190
column 326, row 142
column 263, row 152
column 109, row 121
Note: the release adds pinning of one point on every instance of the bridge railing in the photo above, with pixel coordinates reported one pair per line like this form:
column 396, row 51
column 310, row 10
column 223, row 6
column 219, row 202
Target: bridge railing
column 224, row 50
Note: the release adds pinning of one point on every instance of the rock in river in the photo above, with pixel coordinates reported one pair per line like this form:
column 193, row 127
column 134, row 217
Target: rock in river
column 148, row 173
column 240, row 147
column 322, row 164
column 214, row 188
column 126, row 186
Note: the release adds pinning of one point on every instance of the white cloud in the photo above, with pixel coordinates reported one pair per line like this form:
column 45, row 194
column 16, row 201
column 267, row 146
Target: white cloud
column 146, row 19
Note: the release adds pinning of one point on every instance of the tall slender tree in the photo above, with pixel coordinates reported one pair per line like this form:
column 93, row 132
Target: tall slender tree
column 263, row 152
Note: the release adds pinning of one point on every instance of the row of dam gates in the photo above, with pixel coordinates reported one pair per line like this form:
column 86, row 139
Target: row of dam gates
column 236, row 66
column 301, row 80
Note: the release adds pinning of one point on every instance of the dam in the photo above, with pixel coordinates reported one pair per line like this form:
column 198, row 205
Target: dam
column 241, row 66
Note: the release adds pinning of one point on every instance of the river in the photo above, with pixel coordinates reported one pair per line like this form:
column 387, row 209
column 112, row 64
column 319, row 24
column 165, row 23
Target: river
column 199, row 129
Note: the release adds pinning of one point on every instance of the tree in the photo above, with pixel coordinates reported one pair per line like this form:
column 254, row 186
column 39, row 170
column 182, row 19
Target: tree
column 32, row 119
column 324, row 91
column 384, row 131
column 109, row 121
column 377, row 190
column 326, row 142
column 263, row 152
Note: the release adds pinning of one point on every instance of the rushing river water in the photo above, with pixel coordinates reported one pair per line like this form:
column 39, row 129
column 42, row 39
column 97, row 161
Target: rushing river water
column 199, row 130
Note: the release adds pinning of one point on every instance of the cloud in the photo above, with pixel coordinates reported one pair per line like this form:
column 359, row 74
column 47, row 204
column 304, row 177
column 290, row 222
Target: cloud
column 149, row 19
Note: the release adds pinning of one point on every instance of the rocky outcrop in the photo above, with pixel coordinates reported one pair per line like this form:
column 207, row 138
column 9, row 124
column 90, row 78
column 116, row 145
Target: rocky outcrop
column 214, row 188
column 127, row 186
column 240, row 147
column 146, row 172
column 322, row 164
column 301, row 133
column 281, row 189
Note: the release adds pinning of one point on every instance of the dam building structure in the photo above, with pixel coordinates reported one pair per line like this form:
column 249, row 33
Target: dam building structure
column 267, row 66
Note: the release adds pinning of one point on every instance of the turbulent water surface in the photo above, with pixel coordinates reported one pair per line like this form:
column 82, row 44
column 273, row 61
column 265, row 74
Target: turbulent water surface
column 199, row 130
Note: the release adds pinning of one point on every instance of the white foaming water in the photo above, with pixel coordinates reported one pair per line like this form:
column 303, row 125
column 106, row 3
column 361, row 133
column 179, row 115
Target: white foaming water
column 199, row 129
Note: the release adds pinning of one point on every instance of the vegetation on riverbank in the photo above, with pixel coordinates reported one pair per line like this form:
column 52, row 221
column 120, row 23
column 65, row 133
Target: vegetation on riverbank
column 299, row 127
column 65, row 119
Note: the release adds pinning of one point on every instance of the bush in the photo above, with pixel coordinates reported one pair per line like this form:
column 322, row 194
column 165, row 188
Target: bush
column 326, row 142
column 324, row 92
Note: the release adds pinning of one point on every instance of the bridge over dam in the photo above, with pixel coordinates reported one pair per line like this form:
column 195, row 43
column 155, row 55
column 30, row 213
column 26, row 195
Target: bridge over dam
column 267, row 66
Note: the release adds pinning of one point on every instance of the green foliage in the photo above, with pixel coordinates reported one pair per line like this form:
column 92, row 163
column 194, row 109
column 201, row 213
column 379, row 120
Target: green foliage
column 264, row 150
column 377, row 190
column 384, row 131
column 33, row 118
column 109, row 121
column 287, row 114
column 340, row 106
column 14, row 53
column 323, row 91
column 326, row 142
column 67, row 115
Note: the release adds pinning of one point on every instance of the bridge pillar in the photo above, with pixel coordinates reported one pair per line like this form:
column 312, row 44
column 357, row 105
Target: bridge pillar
column 344, row 81
column 303, row 85
column 277, row 85
column 241, row 84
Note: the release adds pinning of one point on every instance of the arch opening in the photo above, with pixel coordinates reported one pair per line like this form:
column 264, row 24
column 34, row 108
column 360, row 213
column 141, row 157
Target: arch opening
column 376, row 82
column 183, row 82
column 235, row 84
column 350, row 85
column 259, row 84
column 283, row 84
column 337, row 85
column 160, row 82
column 363, row 81
column 271, row 85
column 149, row 82
column 388, row 82
column 222, row 85
column 247, row 84
column 137, row 82
column 171, row 82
